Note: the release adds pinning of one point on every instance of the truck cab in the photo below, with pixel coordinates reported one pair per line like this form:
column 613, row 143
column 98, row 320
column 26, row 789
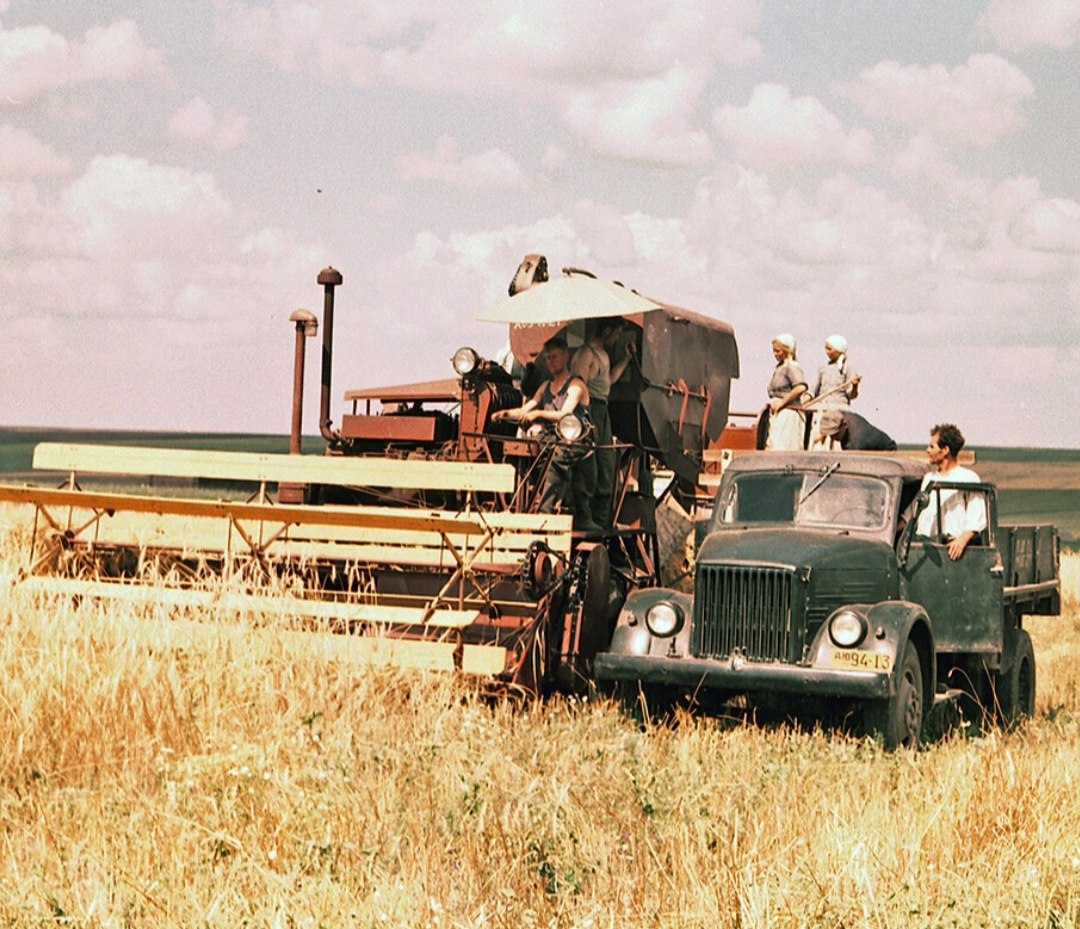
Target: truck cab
column 812, row 582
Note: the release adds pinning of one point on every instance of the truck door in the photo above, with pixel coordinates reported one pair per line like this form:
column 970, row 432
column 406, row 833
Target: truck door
column 964, row 598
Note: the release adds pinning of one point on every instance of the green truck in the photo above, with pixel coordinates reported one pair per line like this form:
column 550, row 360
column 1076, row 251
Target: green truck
column 811, row 584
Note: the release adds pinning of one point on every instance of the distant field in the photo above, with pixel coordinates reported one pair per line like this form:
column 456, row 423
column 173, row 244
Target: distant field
column 17, row 444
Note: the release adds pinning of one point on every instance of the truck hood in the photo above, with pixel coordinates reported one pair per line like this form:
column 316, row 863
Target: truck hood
column 835, row 570
column 784, row 545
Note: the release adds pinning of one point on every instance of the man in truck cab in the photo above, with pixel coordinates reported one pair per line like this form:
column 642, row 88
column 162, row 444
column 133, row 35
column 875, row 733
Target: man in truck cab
column 962, row 515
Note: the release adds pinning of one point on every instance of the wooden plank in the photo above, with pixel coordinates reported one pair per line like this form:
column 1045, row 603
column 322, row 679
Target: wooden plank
column 333, row 521
column 420, row 474
column 248, row 604
column 193, row 537
column 716, row 455
column 270, row 644
column 384, row 517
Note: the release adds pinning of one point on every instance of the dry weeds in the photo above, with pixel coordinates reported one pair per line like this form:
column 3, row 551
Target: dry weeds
column 148, row 786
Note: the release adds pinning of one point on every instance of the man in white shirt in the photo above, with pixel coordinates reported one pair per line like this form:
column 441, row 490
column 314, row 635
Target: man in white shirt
column 962, row 515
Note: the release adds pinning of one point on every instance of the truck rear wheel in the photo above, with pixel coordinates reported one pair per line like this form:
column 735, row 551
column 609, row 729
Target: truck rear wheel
column 1016, row 687
column 899, row 719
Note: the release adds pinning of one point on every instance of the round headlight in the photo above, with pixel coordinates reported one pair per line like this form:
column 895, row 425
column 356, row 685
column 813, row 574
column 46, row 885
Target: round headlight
column 664, row 618
column 846, row 629
column 569, row 428
column 465, row 361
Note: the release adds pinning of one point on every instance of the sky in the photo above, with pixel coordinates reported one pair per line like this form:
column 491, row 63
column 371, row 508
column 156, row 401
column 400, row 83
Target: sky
column 173, row 177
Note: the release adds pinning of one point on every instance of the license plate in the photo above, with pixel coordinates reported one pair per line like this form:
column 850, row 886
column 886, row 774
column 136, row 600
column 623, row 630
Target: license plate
column 861, row 661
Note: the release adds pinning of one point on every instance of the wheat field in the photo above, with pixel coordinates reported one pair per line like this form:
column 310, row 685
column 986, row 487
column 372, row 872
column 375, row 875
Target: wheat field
column 235, row 786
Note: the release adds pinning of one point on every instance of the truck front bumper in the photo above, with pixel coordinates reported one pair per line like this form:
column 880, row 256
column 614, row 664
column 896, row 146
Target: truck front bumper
column 736, row 675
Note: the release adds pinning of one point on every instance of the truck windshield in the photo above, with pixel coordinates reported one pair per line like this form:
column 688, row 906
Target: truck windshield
column 847, row 501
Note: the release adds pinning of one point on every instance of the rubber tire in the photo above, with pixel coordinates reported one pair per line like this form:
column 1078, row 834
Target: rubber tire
column 1016, row 687
column 899, row 720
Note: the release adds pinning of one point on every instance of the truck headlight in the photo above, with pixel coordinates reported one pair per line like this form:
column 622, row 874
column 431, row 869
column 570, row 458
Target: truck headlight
column 664, row 618
column 847, row 629
column 465, row 361
column 569, row 428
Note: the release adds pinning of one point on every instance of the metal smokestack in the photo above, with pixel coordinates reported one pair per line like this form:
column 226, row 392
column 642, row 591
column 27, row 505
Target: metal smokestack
column 329, row 278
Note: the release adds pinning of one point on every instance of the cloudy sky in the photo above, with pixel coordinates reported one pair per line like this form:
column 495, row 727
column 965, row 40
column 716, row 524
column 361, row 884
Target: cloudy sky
column 173, row 176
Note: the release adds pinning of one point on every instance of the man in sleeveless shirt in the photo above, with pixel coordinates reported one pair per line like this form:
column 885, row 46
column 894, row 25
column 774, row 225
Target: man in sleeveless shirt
column 592, row 363
column 571, row 476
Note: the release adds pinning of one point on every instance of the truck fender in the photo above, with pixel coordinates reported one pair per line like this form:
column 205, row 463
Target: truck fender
column 632, row 636
column 889, row 626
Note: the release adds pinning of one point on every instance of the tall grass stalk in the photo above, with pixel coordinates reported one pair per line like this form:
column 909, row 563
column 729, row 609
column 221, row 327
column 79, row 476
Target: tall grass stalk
column 227, row 786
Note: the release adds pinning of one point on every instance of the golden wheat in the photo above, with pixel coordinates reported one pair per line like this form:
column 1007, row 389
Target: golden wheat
column 155, row 786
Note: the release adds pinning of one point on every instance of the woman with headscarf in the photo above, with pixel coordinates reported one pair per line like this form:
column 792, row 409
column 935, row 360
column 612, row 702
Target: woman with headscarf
column 786, row 387
column 837, row 385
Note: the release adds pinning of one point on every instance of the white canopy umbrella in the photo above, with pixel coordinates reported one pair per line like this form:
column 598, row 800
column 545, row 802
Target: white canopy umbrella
column 561, row 299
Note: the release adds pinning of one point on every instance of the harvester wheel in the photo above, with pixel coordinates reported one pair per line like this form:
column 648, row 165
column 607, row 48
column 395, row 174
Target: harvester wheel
column 585, row 621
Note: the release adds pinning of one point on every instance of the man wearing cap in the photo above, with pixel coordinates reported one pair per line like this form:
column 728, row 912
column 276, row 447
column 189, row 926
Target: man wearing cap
column 853, row 433
column 837, row 385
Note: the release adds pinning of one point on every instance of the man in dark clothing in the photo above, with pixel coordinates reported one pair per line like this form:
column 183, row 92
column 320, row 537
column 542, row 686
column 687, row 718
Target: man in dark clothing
column 854, row 433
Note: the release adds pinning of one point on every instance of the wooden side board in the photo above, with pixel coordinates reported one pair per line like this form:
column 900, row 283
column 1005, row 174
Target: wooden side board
column 159, row 631
column 385, row 535
column 406, row 473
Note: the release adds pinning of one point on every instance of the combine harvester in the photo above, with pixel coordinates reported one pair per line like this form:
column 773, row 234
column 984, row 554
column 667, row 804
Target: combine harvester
column 415, row 541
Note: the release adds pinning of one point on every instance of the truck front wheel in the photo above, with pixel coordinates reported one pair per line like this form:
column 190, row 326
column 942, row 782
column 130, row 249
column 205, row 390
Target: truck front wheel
column 899, row 719
column 1016, row 687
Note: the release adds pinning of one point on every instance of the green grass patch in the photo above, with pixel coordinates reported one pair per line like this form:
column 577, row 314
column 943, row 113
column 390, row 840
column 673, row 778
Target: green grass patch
column 1059, row 507
column 17, row 444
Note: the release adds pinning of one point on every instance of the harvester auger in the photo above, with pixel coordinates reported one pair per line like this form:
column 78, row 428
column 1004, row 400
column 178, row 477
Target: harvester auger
column 415, row 540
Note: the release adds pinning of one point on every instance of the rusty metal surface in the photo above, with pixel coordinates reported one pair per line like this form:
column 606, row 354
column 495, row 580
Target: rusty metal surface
column 443, row 390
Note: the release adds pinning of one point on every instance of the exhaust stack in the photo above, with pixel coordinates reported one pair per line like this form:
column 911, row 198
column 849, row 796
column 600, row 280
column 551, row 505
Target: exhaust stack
column 329, row 278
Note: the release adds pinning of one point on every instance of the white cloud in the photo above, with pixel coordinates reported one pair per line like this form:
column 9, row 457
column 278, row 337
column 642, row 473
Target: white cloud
column 648, row 121
column 23, row 156
column 123, row 207
column 35, row 61
column 1020, row 24
column 1049, row 225
column 974, row 103
column 493, row 169
column 554, row 158
column 491, row 49
column 775, row 130
column 196, row 120
column 630, row 91
column 141, row 280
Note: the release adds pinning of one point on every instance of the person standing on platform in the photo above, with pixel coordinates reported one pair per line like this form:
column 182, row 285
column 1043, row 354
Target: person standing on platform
column 786, row 387
column 837, row 385
column 570, row 479
column 592, row 363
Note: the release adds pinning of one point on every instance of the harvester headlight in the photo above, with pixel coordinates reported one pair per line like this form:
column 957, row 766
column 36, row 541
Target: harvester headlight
column 664, row 618
column 847, row 629
column 569, row 428
column 465, row 361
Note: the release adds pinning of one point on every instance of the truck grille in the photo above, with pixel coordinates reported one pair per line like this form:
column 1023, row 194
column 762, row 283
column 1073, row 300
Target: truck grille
column 745, row 610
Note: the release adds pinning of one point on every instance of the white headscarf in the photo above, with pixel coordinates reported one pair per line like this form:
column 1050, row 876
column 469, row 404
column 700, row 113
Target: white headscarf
column 787, row 340
column 838, row 342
